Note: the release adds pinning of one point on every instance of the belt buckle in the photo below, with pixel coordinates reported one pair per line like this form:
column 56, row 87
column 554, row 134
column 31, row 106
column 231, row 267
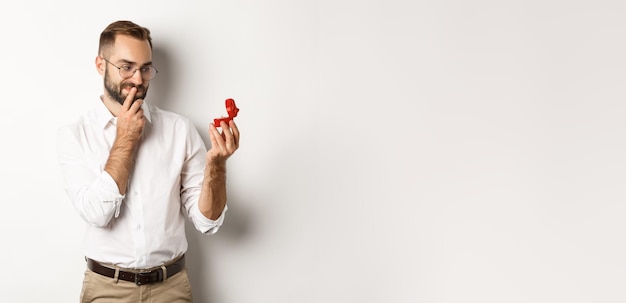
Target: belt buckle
column 142, row 274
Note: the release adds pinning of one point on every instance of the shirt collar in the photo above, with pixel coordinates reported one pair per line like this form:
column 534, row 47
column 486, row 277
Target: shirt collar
column 104, row 116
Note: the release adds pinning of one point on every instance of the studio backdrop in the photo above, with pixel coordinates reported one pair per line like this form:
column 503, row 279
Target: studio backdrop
column 391, row 151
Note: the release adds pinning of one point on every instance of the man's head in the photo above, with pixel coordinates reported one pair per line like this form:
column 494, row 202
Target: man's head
column 125, row 60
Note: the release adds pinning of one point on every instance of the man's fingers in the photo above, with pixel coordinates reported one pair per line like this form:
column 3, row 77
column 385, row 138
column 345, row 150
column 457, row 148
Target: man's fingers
column 228, row 136
column 129, row 99
column 235, row 130
column 216, row 138
column 136, row 107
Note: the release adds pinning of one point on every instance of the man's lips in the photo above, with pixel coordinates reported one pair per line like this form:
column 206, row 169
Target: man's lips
column 127, row 89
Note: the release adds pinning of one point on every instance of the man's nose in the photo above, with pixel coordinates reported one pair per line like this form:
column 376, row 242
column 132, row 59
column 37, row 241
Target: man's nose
column 136, row 77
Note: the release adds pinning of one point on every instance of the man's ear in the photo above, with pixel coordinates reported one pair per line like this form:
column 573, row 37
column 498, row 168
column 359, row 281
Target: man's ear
column 100, row 65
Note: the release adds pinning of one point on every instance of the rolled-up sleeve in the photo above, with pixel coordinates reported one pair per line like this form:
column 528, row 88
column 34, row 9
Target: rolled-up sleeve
column 92, row 190
column 206, row 225
column 192, row 176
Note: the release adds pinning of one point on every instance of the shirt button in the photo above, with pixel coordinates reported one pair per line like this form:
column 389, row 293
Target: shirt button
column 138, row 226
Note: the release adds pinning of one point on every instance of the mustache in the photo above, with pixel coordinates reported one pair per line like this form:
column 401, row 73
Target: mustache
column 131, row 85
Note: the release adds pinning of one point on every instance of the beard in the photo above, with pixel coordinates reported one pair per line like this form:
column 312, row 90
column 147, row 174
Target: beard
column 116, row 90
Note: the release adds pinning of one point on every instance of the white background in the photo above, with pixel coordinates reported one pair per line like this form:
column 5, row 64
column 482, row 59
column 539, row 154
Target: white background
column 391, row 151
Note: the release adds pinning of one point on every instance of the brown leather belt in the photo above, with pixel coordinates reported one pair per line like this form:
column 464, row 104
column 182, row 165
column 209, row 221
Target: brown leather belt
column 140, row 277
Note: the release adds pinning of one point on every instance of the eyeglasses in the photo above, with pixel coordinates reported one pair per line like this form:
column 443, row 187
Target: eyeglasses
column 148, row 72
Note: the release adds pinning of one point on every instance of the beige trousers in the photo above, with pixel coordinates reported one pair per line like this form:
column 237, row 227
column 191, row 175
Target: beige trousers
column 101, row 289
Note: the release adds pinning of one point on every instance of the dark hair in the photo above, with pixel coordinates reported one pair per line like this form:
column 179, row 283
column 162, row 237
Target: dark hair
column 108, row 35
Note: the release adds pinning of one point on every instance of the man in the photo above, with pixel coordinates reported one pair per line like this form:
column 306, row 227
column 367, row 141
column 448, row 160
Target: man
column 134, row 172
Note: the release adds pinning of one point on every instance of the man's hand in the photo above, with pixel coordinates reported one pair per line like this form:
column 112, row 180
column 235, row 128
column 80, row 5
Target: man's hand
column 223, row 144
column 213, row 196
column 130, row 120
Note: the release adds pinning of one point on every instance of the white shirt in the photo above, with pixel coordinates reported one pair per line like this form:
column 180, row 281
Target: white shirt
column 145, row 227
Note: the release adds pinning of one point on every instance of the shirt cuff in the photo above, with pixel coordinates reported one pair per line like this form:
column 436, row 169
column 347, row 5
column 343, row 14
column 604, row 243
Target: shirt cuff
column 110, row 186
column 206, row 225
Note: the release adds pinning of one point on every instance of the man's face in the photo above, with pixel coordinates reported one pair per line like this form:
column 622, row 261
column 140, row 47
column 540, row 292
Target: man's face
column 132, row 52
column 119, row 88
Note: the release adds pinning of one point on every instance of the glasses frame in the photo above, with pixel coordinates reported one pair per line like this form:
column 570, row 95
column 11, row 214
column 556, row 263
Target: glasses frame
column 119, row 69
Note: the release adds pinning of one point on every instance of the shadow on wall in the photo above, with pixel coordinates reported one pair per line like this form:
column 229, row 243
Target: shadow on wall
column 237, row 224
column 201, row 250
column 160, row 86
